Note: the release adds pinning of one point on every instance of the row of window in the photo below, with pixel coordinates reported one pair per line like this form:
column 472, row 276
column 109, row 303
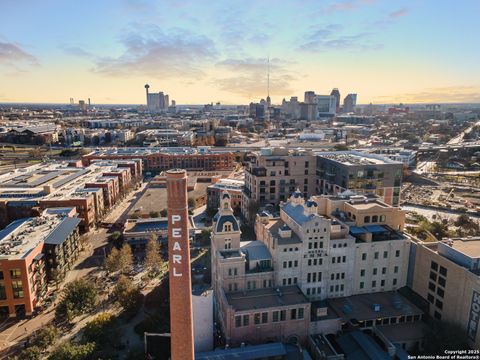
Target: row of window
column 14, row 274
column 375, row 271
column 374, row 283
column 289, row 281
column 376, row 255
column 315, row 245
column 263, row 317
column 339, row 259
column 336, row 288
column 290, row 264
column 337, row 276
column 315, row 262
column 312, row 277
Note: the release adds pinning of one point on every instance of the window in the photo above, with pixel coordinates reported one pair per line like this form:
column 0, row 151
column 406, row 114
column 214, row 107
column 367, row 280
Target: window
column 293, row 314
column 374, row 271
column 439, row 304
column 275, row 316
column 430, row 298
column 362, row 285
column 362, row 272
column 264, row 317
column 284, row 264
column 364, row 256
column 283, row 315
column 229, row 272
column 1, row 275
column 344, row 259
column 374, row 283
column 434, row 266
column 375, row 255
column 300, row 313
column 256, row 318
column 366, row 219
column 433, row 276
column 385, row 254
column 441, row 281
column 15, row 273
column 440, row 292
column 394, row 282
column 443, row 271
column 17, row 288
column 397, row 253
column 384, row 270
column 437, row 315
column 238, row 321
column 395, row 269
column 431, row 286
column 382, row 283
column 228, row 243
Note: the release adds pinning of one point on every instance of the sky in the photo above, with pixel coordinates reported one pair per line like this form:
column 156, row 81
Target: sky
column 386, row 51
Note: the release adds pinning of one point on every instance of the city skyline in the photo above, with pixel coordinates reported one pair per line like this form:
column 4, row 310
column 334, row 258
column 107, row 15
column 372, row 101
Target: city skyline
column 201, row 53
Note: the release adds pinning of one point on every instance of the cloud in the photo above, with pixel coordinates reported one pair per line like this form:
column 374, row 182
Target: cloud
column 76, row 51
column 398, row 13
column 347, row 5
column 450, row 94
column 331, row 37
column 154, row 52
column 250, row 79
column 14, row 57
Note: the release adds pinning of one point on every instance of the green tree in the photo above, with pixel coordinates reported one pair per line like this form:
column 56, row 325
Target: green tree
column 153, row 259
column 78, row 297
column 70, row 351
column 30, row 353
column 127, row 294
column 163, row 213
column 154, row 214
column 45, row 337
column 111, row 263
column 191, row 202
column 99, row 330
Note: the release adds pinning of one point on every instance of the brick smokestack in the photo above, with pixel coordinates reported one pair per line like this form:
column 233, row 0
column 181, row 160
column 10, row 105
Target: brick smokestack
column 181, row 314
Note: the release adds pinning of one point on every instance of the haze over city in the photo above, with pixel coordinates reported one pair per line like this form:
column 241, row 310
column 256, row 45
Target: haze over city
column 401, row 51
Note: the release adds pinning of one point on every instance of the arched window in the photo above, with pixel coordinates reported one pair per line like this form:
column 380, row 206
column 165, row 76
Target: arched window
column 374, row 218
column 366, row 219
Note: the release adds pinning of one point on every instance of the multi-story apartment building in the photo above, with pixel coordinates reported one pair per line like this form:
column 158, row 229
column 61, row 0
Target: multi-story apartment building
column 30, row 250
column 360, row 173
column 92, row 189
column 271, row 175
column 161, row 159
column 446, row 274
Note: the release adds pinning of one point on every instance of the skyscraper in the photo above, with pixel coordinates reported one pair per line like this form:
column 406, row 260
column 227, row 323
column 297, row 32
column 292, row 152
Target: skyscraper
column 309, row 97
column 335, row 92
column 349, row 103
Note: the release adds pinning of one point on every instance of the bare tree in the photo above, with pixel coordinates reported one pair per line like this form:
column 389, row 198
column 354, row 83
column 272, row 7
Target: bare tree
column 153, row 259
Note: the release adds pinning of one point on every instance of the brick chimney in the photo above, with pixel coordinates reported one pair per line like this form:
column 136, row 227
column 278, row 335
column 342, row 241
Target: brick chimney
column 181, row 314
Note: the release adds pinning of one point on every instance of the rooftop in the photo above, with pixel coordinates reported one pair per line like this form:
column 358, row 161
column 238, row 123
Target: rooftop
column 266, row 298
column 372, row 306
column 353, row 158
column 23, row 235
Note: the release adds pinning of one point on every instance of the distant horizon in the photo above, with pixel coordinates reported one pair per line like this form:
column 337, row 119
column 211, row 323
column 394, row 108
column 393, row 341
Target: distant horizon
column 198, row 51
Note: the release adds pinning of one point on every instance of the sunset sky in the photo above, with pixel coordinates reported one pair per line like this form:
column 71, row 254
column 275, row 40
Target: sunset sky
column 202, row 51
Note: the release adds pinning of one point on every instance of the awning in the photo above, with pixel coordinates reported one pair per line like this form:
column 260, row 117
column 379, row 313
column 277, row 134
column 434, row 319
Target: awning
column 355, row 230
column 375, row 229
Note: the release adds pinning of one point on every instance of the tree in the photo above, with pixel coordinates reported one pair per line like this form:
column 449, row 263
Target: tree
column 116, row 238
column 340, row 147
column 191, row 202
column 204, row 237
column 30, row 353
column 163, row 213
column 99, row 330
column 154, row 214
column 153, row 259
column 70, row 351
column 45, row 337
column 125, row 258
column 127, row 294
column 111, row 263
column 78, row 297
